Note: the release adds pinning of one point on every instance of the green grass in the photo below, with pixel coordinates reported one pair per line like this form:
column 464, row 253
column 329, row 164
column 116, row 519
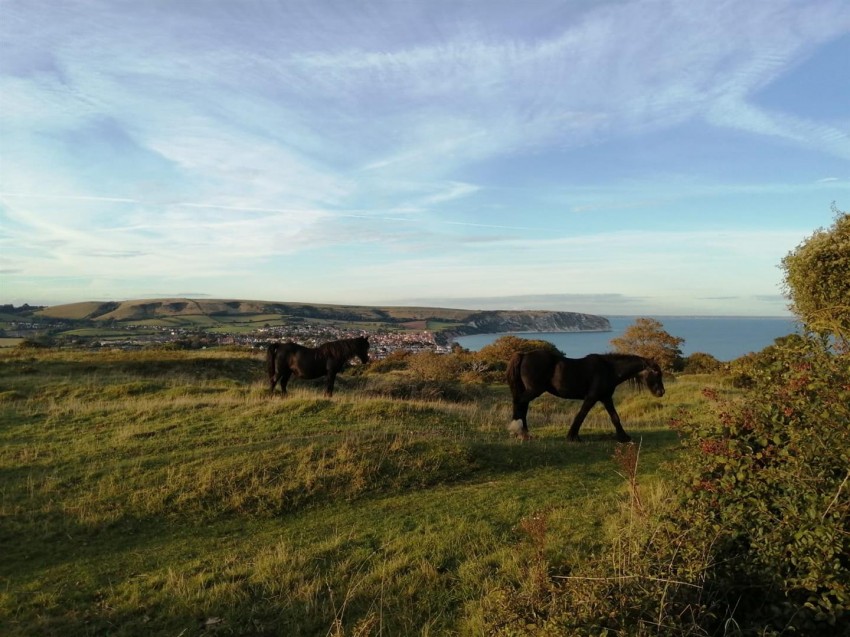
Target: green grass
column 166, row 493
column 438, row 326
column 101, row 332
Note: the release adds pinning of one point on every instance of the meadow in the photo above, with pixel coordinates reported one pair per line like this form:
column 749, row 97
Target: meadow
column 165, row 493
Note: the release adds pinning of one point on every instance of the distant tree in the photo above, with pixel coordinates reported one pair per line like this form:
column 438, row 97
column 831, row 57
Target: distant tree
column 817, row 279
column 647, row 338
column 38, row 341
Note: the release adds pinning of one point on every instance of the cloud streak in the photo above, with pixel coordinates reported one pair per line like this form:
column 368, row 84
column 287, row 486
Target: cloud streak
column 212, row 141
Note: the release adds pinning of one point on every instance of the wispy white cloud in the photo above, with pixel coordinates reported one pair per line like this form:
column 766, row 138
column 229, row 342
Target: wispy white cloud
column 737, row 113
column 214, row 138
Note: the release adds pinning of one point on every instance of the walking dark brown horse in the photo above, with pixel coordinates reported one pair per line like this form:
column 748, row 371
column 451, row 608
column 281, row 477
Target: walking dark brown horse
column 591, row 379
column 287, row 359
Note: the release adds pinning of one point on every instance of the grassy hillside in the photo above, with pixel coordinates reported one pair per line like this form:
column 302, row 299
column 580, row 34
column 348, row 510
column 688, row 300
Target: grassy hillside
column 164, row 493
column 150, row 309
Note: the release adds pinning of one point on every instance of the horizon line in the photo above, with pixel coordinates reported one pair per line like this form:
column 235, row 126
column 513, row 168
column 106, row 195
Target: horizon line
column 208, row 298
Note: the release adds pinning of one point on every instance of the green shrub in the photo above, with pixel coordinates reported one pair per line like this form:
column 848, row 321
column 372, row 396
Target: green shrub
column 501, row 350
column 392, row 362
column 431, row 366
column 765, row 492
column 37, row 342
column 747, row 368
column 817, row 279
column 490, row 363
column 701, row 363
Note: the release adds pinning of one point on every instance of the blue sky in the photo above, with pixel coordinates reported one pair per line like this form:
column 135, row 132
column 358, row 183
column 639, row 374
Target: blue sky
column 629, row 157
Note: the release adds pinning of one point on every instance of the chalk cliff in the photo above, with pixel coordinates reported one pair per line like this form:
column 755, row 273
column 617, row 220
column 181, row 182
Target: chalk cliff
column 501, row 321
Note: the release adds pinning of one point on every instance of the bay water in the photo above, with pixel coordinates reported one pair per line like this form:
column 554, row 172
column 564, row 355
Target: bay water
column 724, row 337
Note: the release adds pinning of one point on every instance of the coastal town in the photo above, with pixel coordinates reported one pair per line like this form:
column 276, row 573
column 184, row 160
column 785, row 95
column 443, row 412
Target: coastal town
column 382, row 342
column 133, row 336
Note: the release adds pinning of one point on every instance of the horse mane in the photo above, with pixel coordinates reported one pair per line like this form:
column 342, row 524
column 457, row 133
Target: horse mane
column 637, row 381
column 344, row 348
column 619, row 356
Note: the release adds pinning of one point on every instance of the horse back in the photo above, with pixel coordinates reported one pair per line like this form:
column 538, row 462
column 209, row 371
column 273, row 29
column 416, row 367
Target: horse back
column 579, row 378
column 280, row 354
column 536, row 369
column 570, row 379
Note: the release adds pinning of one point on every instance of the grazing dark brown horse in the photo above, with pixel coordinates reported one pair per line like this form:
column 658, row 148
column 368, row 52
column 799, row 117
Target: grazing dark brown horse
column 591, row 379
column 286, row 359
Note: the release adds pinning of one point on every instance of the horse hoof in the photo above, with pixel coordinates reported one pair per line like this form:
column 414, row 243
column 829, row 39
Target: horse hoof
column 573, row 439
column 516, row 428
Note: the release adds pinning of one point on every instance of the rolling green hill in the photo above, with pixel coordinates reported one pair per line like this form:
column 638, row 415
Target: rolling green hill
column 193, row 312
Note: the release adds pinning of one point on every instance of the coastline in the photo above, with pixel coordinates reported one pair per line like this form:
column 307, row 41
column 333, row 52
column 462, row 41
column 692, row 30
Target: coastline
column 449, row 337
column 725, row 338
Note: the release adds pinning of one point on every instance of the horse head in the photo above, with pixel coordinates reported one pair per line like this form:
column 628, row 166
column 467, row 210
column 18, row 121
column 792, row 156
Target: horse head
column 363, row 349
column 652, row 377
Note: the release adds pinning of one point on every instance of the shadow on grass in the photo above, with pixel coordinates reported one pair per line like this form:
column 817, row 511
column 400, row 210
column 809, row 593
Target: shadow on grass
column 511, row 456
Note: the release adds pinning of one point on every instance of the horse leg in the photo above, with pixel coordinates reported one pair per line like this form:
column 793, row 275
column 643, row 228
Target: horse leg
column 521, row 400
column 329, row 389
column 519, row 422
column 580, row 416
column 622, row 436
column 283, row 376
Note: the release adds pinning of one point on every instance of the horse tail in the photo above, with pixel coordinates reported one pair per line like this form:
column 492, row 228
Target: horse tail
column 271, row 355
column 514, row 375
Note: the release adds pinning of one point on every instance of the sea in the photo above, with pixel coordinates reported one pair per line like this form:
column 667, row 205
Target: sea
column 724, row 337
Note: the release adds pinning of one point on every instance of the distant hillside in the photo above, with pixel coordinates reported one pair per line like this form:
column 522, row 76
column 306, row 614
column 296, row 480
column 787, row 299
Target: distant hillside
column 452, row 322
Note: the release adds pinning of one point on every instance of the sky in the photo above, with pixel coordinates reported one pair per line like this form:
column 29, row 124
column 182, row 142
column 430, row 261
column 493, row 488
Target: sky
column 631, row 157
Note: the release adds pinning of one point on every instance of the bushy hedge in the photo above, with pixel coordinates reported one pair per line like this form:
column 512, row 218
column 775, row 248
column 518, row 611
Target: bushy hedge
column 765, row 494
column 771, row 359
column 701, row 363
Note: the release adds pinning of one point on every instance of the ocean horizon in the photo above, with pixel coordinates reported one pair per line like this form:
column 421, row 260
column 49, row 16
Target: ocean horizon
column 724, row 337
